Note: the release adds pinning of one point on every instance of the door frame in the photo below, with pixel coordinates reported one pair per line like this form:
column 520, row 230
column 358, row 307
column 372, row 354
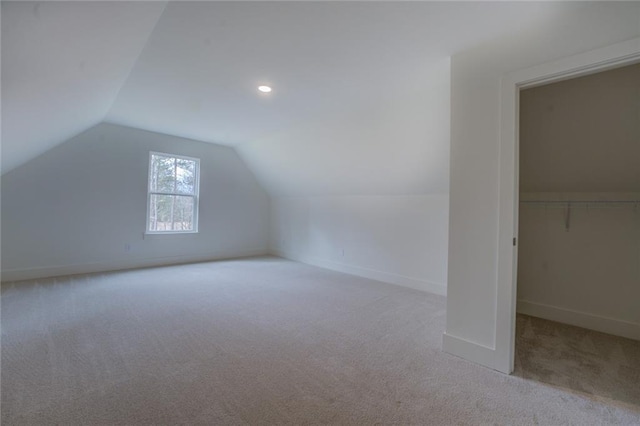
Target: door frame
column 602, row 59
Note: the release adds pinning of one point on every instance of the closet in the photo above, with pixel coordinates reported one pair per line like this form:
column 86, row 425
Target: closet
column 579, row 230
column 579, row 222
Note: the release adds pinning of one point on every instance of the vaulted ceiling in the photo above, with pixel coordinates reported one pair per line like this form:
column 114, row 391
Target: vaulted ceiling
column 63, row 65
column 360, row 99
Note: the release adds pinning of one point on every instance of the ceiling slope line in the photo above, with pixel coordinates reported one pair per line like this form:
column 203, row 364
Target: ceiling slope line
column 69, row 97
column 5, row 171
column 134, row 63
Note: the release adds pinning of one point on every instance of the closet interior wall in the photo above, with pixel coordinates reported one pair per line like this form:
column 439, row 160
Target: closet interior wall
column 579, row 217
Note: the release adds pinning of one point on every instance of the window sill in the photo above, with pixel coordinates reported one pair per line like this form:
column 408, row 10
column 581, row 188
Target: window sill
column 170, row 233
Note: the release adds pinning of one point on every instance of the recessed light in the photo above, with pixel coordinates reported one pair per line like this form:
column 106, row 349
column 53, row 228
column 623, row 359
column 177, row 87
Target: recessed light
column 264, row 89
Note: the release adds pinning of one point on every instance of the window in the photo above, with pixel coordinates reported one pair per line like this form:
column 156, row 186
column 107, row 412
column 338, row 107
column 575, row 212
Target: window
column 173, row 193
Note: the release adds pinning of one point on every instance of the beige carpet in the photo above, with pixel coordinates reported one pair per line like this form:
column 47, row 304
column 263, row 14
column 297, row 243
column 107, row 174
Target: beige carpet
column 575, row 358
column 257, row 341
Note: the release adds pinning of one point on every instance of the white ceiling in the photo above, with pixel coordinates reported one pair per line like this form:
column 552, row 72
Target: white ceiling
column 395, row 145
column 341, row 72
column 197, row 75
column 62, row 67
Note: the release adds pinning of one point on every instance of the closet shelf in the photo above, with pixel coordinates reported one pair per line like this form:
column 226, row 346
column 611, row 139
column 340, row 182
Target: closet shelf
column 582, row 203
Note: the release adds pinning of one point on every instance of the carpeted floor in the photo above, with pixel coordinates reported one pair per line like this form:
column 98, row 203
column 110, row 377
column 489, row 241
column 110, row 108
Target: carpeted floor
column 255, row 341
column 578, row 359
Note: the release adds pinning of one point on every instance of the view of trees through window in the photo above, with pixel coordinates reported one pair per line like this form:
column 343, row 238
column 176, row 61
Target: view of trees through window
column 172, row 193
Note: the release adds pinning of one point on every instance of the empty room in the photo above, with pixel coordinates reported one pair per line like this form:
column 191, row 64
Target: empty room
column 343, row 213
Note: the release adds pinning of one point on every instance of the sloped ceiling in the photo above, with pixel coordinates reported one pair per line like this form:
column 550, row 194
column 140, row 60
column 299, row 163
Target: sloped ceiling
column 198, row 74
column 360, row 100
column 63, row 64
column 394, row 145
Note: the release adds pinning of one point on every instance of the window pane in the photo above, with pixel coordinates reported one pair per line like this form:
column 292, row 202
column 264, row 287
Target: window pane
column 160, row 213
column 183, row 213
column 171, row 213
column 162, row 173
column 185, row 176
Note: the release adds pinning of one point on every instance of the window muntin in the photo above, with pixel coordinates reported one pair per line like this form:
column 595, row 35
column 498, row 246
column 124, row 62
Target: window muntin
column 172, row 205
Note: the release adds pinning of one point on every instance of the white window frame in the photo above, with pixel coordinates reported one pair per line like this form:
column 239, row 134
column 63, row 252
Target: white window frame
column 195, row 196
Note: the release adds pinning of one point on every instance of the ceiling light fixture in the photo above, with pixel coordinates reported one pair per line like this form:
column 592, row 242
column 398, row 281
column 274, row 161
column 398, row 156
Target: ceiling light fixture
column 264, row 89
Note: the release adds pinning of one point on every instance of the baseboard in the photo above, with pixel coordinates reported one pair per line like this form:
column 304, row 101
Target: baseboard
column 613, row 326
column 468, row 350
column 415, row 283
column 120, row 264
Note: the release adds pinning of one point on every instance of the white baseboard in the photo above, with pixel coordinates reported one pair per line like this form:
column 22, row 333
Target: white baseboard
column 120, row 264
column 468, row 350
column 613, row 326
column 415, row 283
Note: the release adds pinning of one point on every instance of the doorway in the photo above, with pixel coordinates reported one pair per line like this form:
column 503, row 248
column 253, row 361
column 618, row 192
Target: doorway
column 578, row 271
column 620, row 54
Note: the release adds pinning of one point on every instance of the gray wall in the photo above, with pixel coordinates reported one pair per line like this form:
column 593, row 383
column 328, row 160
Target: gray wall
column 398, row 239
column 582, row 134
column 81, row 206
column 588, row 275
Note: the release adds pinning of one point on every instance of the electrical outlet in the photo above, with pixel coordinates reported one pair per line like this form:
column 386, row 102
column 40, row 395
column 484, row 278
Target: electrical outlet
column 127, row 248
column 342, row 252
